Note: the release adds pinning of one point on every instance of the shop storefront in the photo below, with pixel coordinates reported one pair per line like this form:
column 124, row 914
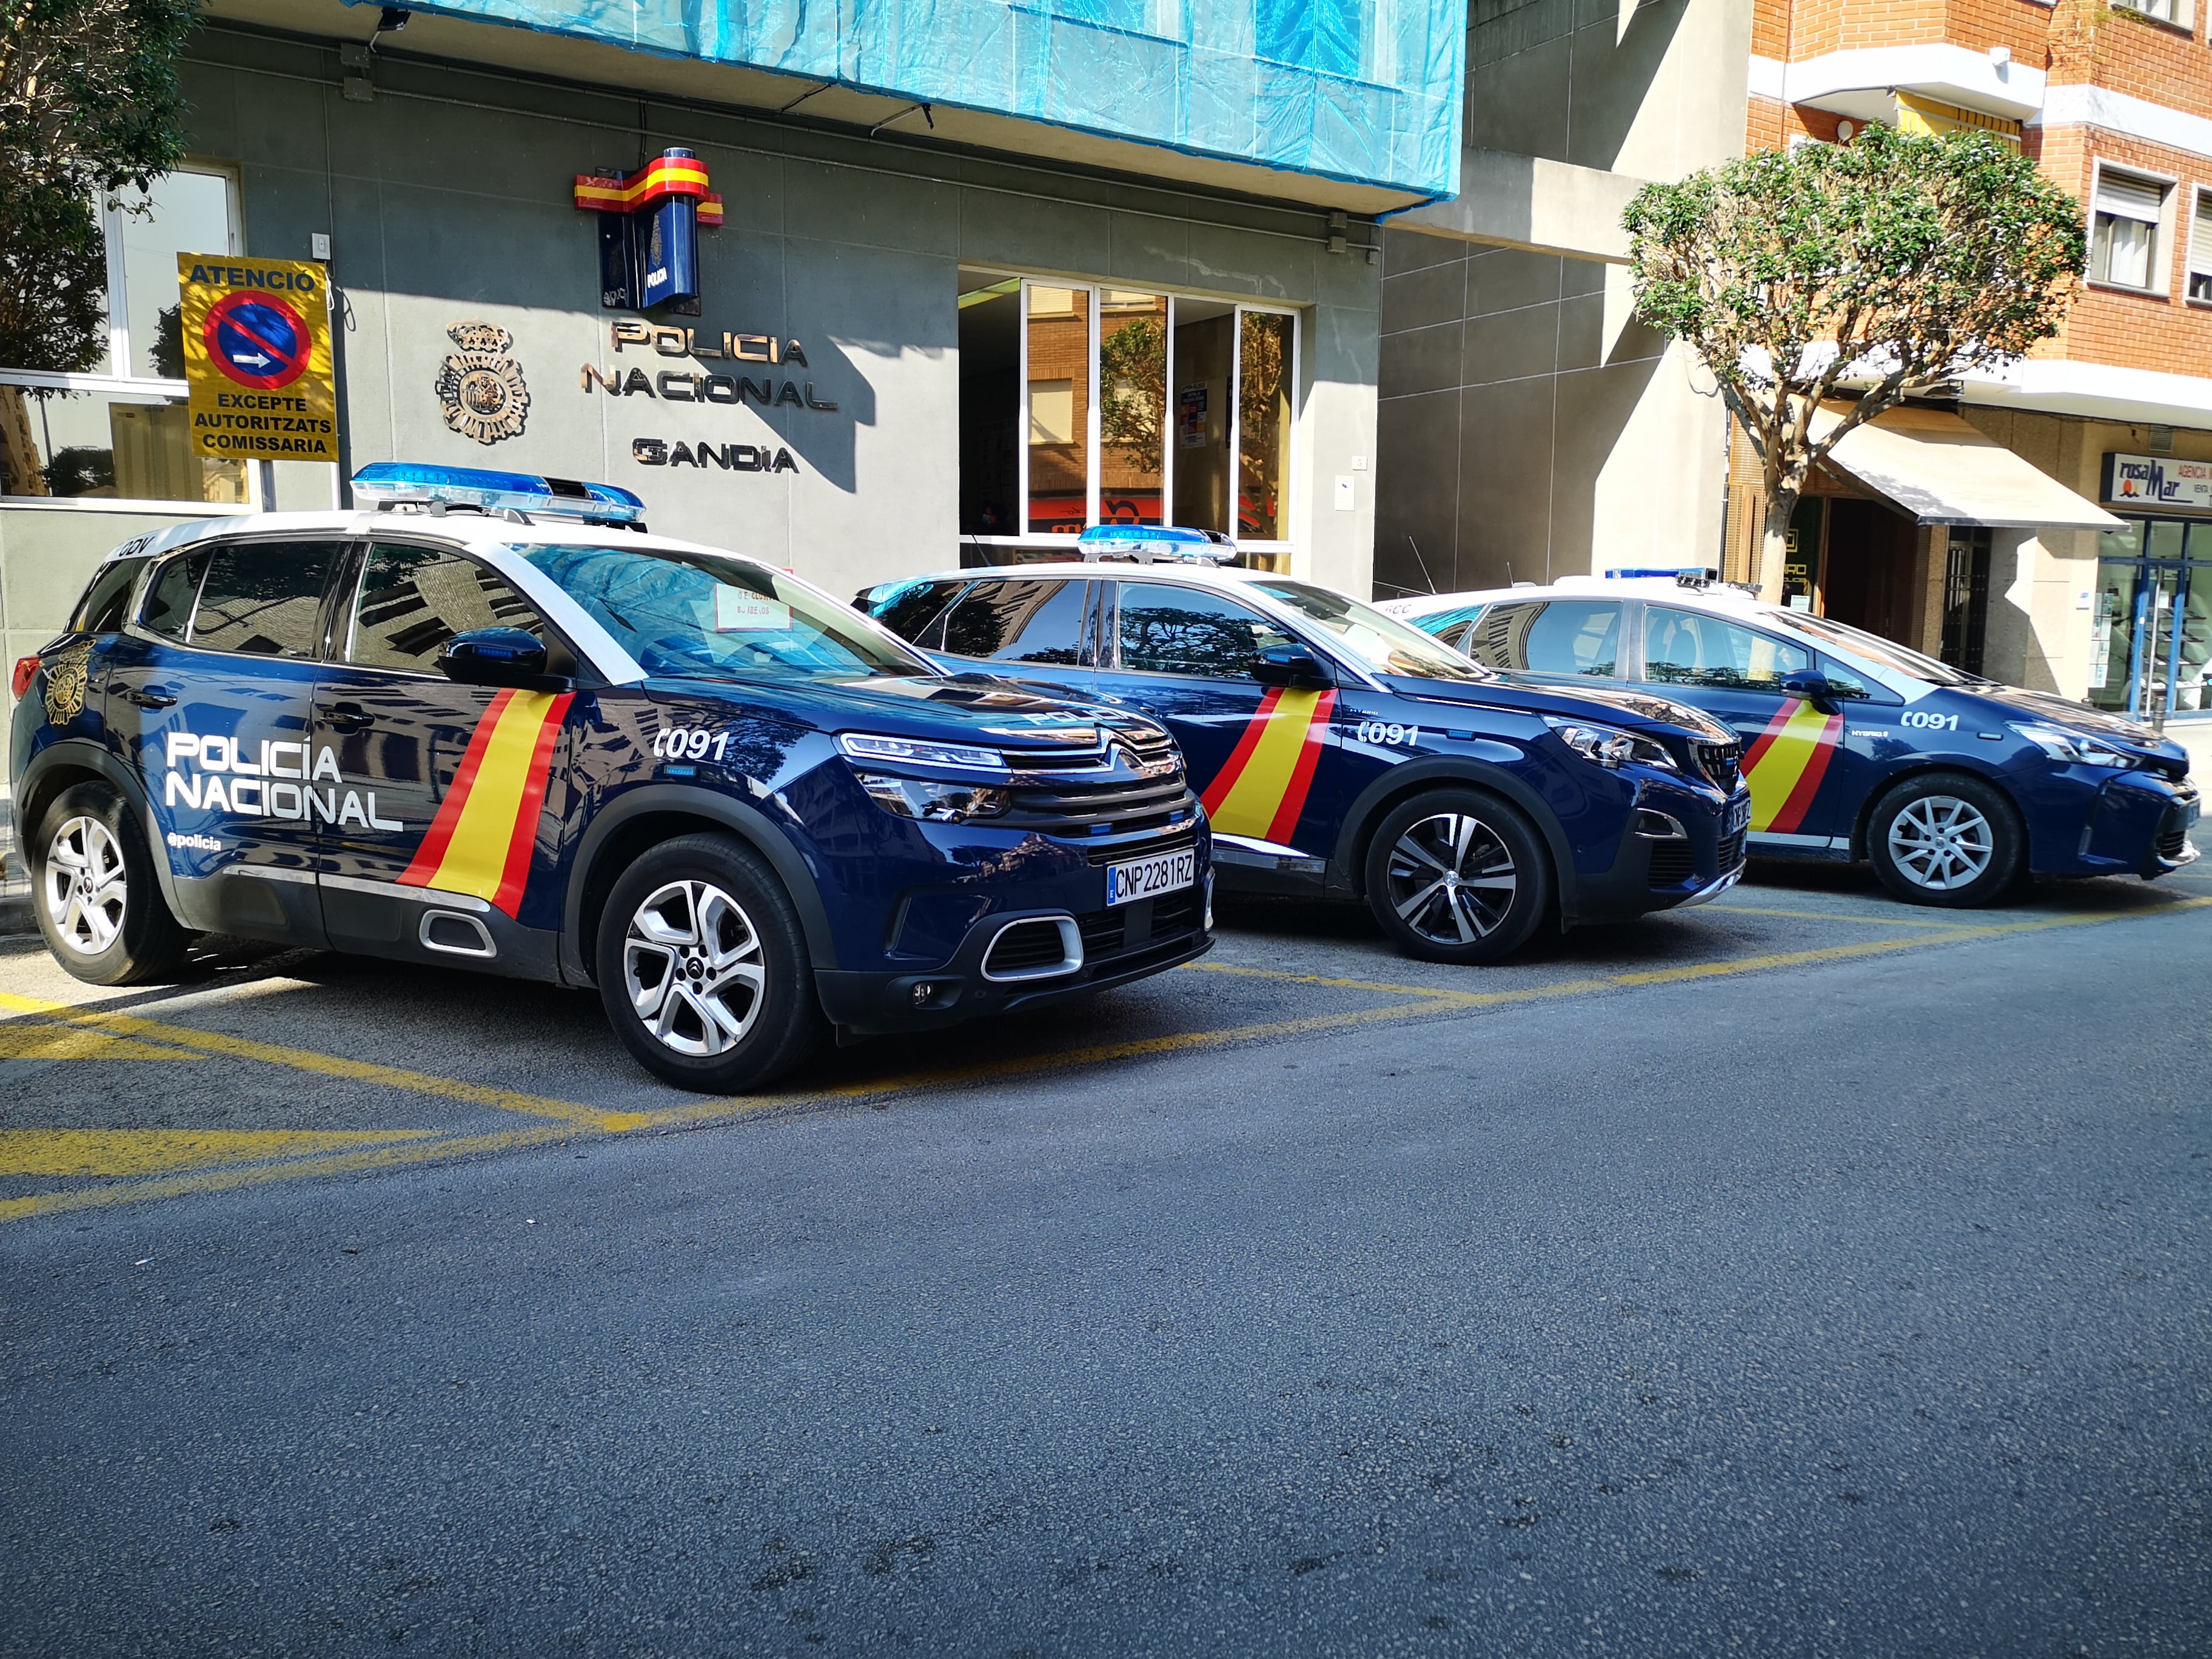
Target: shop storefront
column 2152, row 643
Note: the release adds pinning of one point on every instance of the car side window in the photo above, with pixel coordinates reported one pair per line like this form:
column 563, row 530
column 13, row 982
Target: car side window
column 264, row 599
column 912, row 611
column 1166, row 629
column 413, row 599
column 1689, row 648
column 1019, row 620
column 1550, row 637
column 108, row 599
column 168, row 608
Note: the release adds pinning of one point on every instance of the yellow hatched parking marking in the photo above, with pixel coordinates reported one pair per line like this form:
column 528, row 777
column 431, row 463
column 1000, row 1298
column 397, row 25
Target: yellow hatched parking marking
column 157, row 1151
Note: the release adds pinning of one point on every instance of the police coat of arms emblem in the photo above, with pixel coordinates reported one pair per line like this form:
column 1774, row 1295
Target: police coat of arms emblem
column 65, row 684
column 481, row 388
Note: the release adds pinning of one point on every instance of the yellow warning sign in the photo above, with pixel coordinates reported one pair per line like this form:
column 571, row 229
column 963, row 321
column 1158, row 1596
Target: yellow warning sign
column 256, row 337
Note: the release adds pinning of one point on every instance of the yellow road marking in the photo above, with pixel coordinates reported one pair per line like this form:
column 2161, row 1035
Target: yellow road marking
column 307, row 1059
column 1829, row 915
column 1431, row 1002
column 19, row 1041
column 156, row 1151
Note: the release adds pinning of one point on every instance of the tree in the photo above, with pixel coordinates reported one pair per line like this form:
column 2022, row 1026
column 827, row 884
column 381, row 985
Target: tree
column 89, row 102
column 1891, row 265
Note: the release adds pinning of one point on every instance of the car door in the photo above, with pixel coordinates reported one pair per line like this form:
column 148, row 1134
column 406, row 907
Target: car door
column 445, row 796
column 1184, row 655
column 1806, row 782
column 209, row 700
column 1035, row 629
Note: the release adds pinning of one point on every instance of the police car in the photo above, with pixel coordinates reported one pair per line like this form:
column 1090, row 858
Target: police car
column 488, row 723
column 1339, row 752
column 1952, row 786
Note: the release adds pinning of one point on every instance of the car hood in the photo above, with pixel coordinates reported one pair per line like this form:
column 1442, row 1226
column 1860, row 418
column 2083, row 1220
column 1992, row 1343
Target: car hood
column 2058, row 711
column 970, row 708
column 1571, row 700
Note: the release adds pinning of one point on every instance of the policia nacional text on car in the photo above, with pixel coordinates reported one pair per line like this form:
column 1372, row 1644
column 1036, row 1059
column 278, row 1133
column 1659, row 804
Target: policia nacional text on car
column 1339, row 752
column 572, row 752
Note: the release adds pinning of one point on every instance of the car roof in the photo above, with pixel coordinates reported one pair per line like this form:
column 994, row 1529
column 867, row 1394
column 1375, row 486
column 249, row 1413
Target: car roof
column 1714, row 596
column 1198, row 574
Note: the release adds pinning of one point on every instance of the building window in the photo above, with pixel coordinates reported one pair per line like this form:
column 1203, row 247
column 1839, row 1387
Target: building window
column 119, row 431
column 2124, row 233
column 2200, row 249
column 2165, row 11
column 1082, row 404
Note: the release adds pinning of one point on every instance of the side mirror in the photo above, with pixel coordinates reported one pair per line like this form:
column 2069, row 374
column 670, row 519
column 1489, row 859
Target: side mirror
column 1813, row 687
column 1290, row 664
column 498, row 656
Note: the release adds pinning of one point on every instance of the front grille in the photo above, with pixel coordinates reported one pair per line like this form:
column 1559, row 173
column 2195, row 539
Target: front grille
column 1731, row 851
column 1179, row 913
column 1719, row 763
column 1171, row 843
column 1673, row 863
column 1103, row 932
column 1023, row 948
column 2172, row 842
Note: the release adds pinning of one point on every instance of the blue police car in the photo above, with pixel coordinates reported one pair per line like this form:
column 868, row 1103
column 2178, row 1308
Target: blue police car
column 1341, row 753
column 486, row 722
column 1953, row 787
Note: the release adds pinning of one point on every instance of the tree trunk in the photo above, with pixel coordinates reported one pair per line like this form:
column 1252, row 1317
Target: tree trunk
column 1774, row 545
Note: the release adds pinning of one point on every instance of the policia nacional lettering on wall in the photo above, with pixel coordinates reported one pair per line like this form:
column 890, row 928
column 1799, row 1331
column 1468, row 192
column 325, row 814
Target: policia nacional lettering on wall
column 693, row 386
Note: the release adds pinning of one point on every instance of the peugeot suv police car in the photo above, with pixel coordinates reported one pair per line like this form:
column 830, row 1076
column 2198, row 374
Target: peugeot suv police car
column 1339, row 752
column 560, row 748
column 1952, row 786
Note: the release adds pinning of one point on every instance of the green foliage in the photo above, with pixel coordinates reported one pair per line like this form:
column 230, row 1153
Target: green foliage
column 89, row 102
column 1888, row 264
column 1132, row 371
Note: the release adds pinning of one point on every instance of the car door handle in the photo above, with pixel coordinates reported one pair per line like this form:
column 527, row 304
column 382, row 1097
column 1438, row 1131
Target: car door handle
column 346, row 717
column 149, row 697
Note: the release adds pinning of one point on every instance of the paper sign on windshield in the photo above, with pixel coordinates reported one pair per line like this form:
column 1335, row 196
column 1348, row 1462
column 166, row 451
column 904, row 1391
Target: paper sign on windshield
column 740, row 610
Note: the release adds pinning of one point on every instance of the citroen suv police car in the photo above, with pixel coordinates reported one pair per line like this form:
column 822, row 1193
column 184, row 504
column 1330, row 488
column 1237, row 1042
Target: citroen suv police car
column 488, row 723
column 1954, row 788
column 1341, row 753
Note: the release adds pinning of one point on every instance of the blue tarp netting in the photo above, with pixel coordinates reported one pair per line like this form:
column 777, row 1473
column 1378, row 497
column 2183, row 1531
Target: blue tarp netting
column 1363, row 90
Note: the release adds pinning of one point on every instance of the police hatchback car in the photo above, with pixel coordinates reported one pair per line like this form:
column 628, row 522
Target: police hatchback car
column 1953, row 787
column 1339, row 752
column 530, row 740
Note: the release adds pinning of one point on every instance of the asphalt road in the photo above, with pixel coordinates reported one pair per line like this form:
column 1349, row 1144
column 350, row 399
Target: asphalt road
column 1804, row 1275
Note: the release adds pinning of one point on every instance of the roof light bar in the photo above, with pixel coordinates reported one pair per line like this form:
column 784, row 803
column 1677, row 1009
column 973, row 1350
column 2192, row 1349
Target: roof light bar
column 387, row 485
column 1684, row 573
column 1149, row 543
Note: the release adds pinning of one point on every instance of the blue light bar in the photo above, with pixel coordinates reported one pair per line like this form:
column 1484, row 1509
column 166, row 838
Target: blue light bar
column 1669, row 573
column 1150, row 543
column 397, row 484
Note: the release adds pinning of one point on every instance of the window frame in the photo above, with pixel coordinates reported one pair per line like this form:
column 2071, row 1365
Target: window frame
column 1294, row 505
column 2161, row 285
column 345, row 568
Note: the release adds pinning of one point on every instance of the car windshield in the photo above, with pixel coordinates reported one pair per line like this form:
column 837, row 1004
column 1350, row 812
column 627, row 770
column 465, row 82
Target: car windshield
column 1842, row 636
column 1384, row 643
column 705, row 615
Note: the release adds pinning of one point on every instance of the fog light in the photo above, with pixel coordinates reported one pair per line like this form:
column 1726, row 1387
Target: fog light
column 922, row 993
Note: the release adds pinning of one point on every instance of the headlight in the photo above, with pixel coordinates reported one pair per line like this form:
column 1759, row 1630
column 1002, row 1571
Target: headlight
column 1609, row 747
column 2073, row 748
column 861, row 746
column 938, row 803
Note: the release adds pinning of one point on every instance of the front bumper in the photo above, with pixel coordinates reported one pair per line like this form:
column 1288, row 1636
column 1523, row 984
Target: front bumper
column 1700, row 858
column 2086, row 821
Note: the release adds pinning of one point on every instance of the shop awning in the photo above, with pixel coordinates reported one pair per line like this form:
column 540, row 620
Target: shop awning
column 1933, row 466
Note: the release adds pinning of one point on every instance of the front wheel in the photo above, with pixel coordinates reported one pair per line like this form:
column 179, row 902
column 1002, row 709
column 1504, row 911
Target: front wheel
column 98, row 898
column 703, row 967
column 1947, row 839
column 1458, row 876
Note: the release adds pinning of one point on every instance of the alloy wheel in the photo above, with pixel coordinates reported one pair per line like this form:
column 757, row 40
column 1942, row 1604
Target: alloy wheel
column 86, row 886
column 692, row 964
column 1451, row 878
column 1942, row 843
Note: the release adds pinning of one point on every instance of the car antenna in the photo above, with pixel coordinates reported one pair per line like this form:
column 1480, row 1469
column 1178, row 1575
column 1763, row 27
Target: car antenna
column 1421, row 561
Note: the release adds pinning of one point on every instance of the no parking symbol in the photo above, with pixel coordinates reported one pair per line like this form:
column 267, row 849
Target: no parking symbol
column 256, row 338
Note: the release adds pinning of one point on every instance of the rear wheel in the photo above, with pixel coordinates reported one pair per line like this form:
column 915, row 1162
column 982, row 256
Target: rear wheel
column 98, row 898
column 1947, row 839
column 703, row 967
column 1458, row 876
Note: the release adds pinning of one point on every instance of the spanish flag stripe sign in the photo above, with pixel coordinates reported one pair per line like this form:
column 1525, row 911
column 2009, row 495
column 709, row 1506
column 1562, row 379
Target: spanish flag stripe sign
column 479, row 844
column 1262, row 790
column 1786, row 764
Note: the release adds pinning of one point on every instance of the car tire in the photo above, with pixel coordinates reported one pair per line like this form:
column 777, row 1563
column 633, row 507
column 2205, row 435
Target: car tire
column 703, row 967
column 1947, row 839
column 1458, row 875
column 97, row 894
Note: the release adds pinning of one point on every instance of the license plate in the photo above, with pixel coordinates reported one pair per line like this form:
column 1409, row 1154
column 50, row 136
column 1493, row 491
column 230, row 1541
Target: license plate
column 1738, row 817
column 1144, row 878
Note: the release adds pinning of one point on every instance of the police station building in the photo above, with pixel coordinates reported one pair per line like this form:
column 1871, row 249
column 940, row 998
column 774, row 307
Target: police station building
column 865, row 300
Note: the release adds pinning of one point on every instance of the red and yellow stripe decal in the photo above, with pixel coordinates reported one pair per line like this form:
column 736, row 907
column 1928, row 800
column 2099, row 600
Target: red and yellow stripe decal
column 1262, row 789
column 1786, row 764
column 663, row 176
column 480, row 841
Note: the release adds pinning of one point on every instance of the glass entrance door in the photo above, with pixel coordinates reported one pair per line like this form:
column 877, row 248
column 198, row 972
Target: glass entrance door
column 2153, row 640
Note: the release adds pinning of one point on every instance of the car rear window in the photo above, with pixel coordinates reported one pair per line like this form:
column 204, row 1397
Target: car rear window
column 107, row 599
